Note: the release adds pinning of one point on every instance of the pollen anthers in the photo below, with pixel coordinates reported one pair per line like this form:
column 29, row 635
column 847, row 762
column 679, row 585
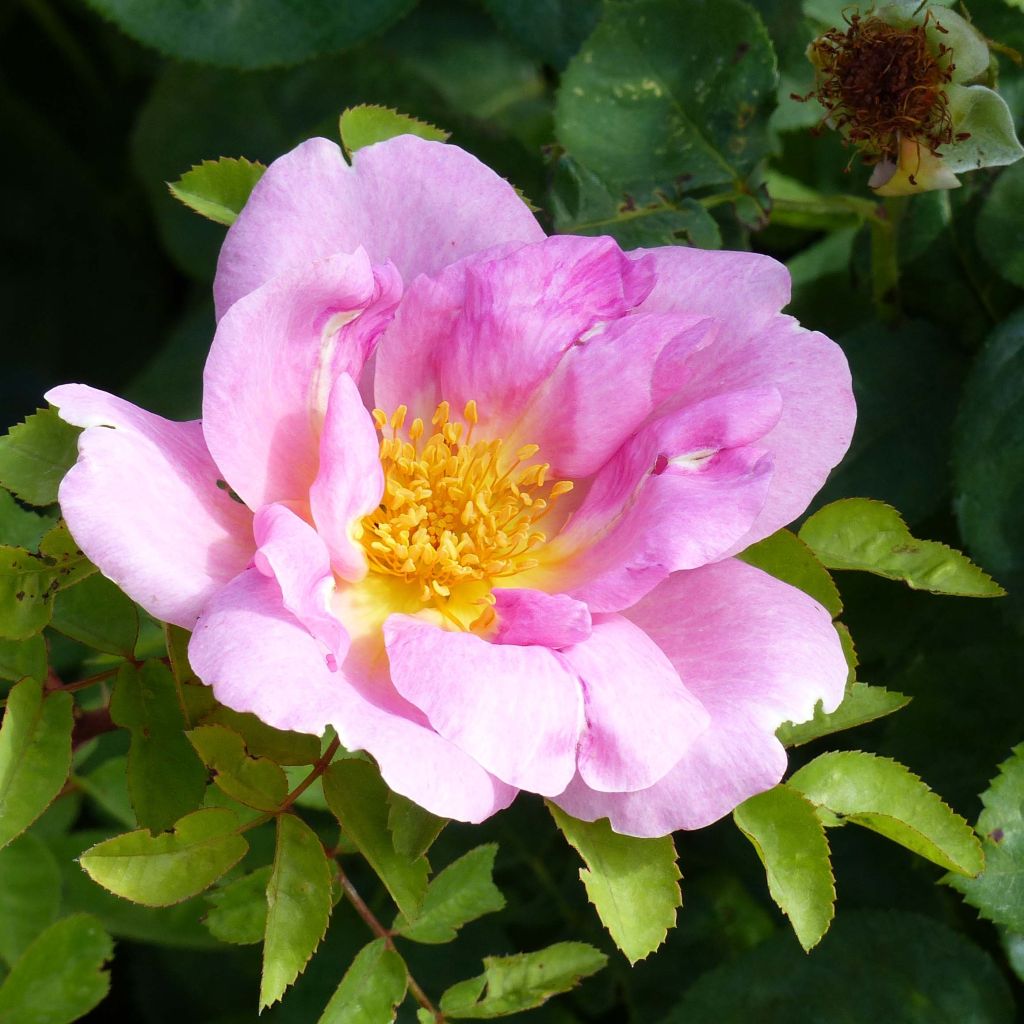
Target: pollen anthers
column 455, row 510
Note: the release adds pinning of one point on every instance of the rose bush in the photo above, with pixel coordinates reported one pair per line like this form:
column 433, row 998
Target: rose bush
column 471, row 495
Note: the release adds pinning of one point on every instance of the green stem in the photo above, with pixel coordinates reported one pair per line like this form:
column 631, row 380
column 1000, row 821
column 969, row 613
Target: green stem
column 885, row 259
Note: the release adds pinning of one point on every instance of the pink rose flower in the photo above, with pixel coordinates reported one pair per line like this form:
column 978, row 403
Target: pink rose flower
column 491, row 485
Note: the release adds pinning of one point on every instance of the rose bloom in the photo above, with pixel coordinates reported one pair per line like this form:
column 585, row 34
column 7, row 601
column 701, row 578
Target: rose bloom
column 471, row 495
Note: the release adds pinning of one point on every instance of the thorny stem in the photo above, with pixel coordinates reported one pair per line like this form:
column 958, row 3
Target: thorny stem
column 381, row 932
column 319, row 767
column 53, row 683
column 885, row 260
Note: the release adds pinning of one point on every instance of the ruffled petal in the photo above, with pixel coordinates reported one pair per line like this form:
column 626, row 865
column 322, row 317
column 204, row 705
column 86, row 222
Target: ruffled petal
column 607, row 385
column 419, row 204
column 143, row 502
column 531, row 617
column 676, row 496
column 350, row 481
column 260, row 659
column 640, row 718
column 757, row 347
column 756, row 653
column 493, row 327
column 515, row 710
column 291, row 552
column 274, row 359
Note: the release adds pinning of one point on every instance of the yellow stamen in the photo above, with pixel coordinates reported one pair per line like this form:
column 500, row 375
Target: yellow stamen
column 454, row 511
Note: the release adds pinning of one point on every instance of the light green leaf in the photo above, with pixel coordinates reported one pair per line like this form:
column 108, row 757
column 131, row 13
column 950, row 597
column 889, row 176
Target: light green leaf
column 371, row 990
column 166, row 778
column 633, row 883
column 459, row 894
column 668, row 95
column 157, row 871
column 985, row 117
column 23, row 527
column 858, row 533
column 253, row 781
column 251, row 35
column 511, row 984
column 358, row 798
column 20, row 658
column 786, row 557
column 884, row 796
column 29, row 894
column 998, row 892
column 366, row 124
column 98, row 614
column 239, row 913
column 861, row 704
column 35, row 755
column 999, row 231
column 790, row 840
column 218, row 189
column 261, row 740
column 35, row 455
column 413, row 830
column 28, row 584
column 298, row 906
column 60, row 977
column 59, row 549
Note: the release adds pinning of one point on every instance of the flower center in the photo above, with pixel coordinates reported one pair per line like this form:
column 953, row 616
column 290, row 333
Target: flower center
column 455, row 510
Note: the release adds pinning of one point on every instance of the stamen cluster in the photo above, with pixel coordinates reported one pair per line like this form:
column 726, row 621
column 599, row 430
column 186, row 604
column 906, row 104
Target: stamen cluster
column 454, row 510
column 882, row 83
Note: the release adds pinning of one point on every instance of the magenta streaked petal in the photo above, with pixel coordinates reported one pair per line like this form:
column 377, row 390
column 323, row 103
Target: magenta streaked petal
column 143, row 502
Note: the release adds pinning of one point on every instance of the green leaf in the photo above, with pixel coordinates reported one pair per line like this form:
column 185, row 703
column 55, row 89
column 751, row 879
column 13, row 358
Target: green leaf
column 60, row 977
column 157, row 871
column 261, row 740
column 459, row 894
column 239, row 913
column 371, row 990
column 584, row 205
column 252, row 35
column 984, row 116
column 858, row 533
column 35, row 755
column 873, row 966
column 999, row 231
column 884, row 796
column 299, row 903
column 861, row 704
column 358, row 798
column 988, row 453
column 253, row 781
column 552, row 30
column 58, row 547
column 29, row 894
column 98, row 614
column 366, row 124
column 790, row 840
column 218, row 189
column 166, row 778
column 413, row 829
column 23, row 527
column 28, row 585
column 35, row 455
column 668, row 95
column 107, row 786
column 511, row 984
column 786, row 557
column 633, row 883
column 20, row 658
column 998, row 892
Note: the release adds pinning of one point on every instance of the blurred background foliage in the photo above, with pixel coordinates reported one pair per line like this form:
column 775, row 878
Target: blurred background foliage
column 661, row 122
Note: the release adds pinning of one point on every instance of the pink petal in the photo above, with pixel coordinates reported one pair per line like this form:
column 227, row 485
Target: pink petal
column 640, row 717
column 143, row 502
column 421, row 205
column 757, row 347
column 756, row 653
column 676, row 496
column 514, row 710
column 291, row 552
column 531, row 617
column 350, row 482
column 260, row 659
column 499, row 323
column 607, row 385
column 273, row 361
